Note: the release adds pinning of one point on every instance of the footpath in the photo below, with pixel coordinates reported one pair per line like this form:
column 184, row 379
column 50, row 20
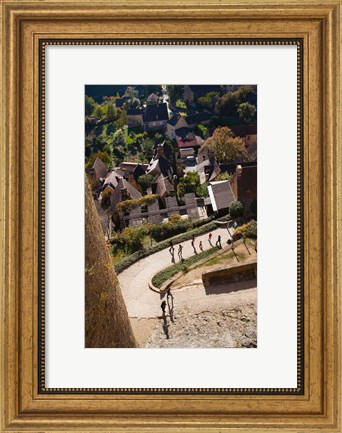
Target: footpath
column 141, row 302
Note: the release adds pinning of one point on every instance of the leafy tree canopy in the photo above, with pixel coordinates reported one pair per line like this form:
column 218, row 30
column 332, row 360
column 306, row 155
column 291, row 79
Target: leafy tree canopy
column 208, row 100
column 102, row 155
column 189, row 183
column 89, row 105
column 225, row 146
column 228, row 104
column 246, row 112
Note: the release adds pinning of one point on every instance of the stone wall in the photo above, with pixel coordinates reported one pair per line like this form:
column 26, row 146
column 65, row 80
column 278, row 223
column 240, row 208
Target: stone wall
column 106, row 319
column 230, row 274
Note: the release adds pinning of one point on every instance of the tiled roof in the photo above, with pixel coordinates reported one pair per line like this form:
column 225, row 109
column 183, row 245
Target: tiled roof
column 156, row 112
column 153, row 98
column 100, row 168
column 113, row 178
column 183, row 132
column 253, row 151
column 174, row 120
column 196, row 142
column 164, row 186
column 221, row 194
column 131, row 166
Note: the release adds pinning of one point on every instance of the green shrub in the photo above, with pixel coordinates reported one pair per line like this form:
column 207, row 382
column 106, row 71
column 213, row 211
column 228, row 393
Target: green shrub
column 236, row 209
column 248, row 230
column 159, row 232
column 130, row 239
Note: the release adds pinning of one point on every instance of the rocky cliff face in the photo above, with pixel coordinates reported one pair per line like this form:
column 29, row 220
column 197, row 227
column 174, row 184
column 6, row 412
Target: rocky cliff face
column 106, row 319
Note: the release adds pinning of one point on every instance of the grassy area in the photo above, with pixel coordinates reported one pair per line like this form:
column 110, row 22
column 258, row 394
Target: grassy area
column 172, row 270
column 224, row 257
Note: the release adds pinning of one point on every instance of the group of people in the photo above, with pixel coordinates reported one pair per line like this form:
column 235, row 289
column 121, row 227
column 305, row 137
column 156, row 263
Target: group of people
column 180, row 250
column 200, row 245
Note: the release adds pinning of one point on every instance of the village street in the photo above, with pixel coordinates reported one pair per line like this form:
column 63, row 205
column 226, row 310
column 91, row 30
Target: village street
column 141, row 302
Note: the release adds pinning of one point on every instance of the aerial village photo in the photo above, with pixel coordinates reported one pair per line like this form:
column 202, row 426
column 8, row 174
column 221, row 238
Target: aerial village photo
column 171, row 216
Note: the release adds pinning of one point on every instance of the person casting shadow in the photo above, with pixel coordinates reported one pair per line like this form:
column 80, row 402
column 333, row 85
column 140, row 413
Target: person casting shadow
column 170, row 305
column 166, row 327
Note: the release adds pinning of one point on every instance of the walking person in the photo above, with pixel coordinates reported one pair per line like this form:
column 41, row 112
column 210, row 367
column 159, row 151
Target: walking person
column 163, row 307
column 180, row 252
column 171, row 249
column 201, row 246
column 209, row 238
column 218, row 242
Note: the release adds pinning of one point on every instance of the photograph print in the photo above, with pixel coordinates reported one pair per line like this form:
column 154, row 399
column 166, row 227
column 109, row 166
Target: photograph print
column 171, row 216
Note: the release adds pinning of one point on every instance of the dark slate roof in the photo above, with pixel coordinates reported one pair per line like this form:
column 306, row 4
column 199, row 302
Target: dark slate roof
column 198, row 117
column 160, row 165
column 156, row 112
column 174, row 120
column 183, row 132
column 134, row 112
column 202, row 90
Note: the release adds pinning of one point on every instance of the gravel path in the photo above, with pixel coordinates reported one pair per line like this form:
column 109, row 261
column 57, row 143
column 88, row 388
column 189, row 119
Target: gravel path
column 141, row 302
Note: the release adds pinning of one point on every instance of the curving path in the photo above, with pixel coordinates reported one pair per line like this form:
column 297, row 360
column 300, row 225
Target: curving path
column 141, row 302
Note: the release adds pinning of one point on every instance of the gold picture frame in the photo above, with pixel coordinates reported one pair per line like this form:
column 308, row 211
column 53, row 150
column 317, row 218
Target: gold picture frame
column 26, row 26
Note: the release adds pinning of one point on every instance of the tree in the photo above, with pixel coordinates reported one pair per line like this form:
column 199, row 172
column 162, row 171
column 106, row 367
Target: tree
column 147, row 147
column 202, row 190
column 224, row 175
column 98, row 112
column 119, row 138
column 246, row 112
column 175, row 92
column 189, row 183
column 89, row 105
column 110, row 112
column 236, row 209
column 102, row 155
column 145, row 181
column 228, row 104
column 225, row 146
column 122, row 119
column 208, row 100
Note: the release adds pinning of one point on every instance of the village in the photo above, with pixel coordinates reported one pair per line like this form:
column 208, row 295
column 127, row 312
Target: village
column 173, row 174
